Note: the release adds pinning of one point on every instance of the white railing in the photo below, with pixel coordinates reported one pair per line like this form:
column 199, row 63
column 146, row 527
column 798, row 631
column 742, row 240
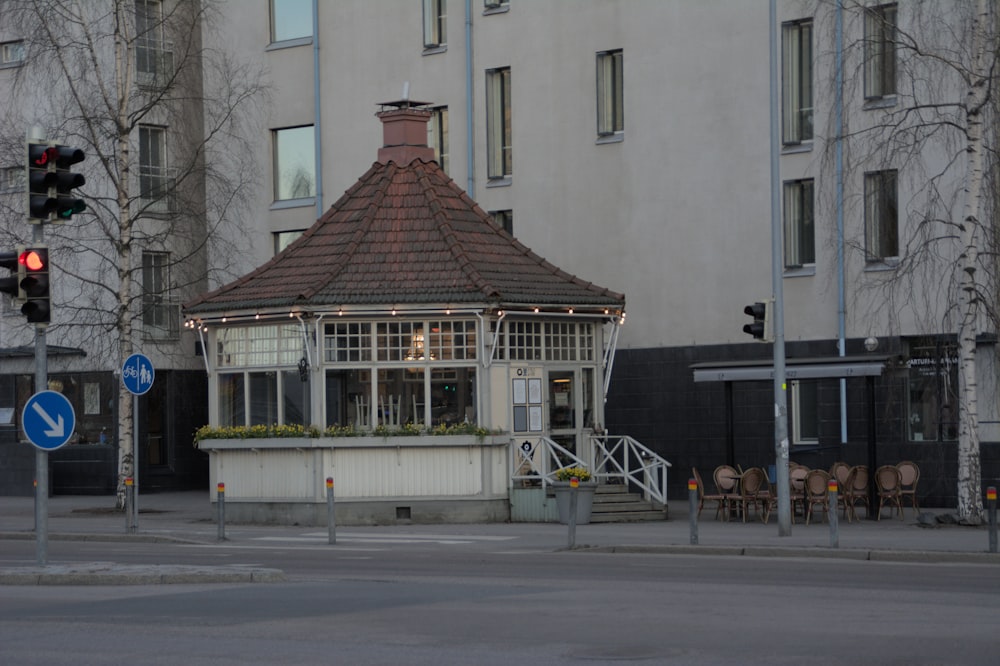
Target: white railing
column 625, row 460
column 537, row 459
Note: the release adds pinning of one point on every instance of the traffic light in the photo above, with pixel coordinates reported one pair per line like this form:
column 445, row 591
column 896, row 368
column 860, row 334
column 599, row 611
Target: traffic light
column 51, row 183
column 761, row 313
column 12, row 284
column 35, row 285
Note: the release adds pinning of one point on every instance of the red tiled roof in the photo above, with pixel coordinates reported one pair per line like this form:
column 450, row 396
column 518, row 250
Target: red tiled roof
column 405, row 235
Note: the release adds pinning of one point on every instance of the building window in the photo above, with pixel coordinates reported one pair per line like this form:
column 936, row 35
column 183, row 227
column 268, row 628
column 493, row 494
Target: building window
column 800, row 233
column 156, row 179
column 437, row 135
column 291, row 19
column 435, row 18
column 495, row 4
column 610, row 93
column 932, row 386
column 11, row 179
column 498, row 123
column 797, row 105
column 881, row 216
column 805, row 415
column 160, row 314
column 504, row 219
column 283, row 239
column 880, row 51
column 294, row 163
column 154, row 57
column 11, row 53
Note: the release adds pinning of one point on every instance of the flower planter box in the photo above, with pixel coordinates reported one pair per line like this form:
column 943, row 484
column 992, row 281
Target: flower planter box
column 584, row 501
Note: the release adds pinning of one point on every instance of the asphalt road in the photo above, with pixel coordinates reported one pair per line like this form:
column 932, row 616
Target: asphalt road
column 483, row 601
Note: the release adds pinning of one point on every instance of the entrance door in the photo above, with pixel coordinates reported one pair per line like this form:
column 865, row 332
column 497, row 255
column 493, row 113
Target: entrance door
column 564, row 409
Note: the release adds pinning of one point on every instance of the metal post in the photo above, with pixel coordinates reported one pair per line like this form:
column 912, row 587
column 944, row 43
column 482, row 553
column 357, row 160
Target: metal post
column 41, row 384
column 991, row 509
column 831, row 514
column 331, row 518
column 574, row 486
column 135, row 462
column 693, row 510
column 129, row 525
column 221, row 505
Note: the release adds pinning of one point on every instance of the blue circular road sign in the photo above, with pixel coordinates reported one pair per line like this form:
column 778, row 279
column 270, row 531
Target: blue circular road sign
column 48, row 420
column 137, row 374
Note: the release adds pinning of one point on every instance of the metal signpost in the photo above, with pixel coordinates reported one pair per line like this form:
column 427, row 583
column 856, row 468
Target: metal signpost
column 48, row 421
column 137, row 376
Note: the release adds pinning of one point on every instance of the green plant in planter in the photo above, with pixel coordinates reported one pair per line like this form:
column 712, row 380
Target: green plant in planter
column 567, row 473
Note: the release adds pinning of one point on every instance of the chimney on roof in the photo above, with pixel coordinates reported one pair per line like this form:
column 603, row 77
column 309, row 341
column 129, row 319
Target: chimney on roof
column 404, row 132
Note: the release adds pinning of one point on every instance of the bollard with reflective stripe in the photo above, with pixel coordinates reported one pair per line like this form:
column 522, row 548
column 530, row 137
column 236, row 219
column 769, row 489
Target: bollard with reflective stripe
column 991, row 510
column 129, row 498
column 693, row 510
column 574, row 488
column 831, row 488
column 331, row 518
column 221, row 496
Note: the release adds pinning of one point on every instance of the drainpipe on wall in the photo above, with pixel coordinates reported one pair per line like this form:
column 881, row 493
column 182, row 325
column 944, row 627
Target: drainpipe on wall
column 839, row 168
column 470, row 186
column 317, row 110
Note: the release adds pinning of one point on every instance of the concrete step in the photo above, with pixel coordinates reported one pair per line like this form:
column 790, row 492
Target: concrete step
column 615, row 504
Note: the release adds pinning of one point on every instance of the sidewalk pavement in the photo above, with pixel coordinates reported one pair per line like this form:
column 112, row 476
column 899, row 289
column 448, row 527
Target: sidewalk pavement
column 190, row 517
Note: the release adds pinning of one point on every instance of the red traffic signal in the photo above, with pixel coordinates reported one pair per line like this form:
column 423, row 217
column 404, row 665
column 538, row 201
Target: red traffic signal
column 50, row 183
column 35, row 285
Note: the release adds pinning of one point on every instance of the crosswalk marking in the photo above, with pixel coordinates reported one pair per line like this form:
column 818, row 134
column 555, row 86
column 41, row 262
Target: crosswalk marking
column 361, row 537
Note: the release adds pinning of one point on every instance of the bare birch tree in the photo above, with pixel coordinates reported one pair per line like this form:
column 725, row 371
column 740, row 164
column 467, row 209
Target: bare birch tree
column 933, row 129
column 128, row 81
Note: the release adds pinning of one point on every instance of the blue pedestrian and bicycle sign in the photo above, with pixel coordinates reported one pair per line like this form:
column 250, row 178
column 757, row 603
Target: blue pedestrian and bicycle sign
column 137, row 374
column 48, row 420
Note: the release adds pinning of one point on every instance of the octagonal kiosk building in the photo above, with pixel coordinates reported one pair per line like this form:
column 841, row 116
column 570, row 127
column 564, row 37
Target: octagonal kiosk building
column 409, row 349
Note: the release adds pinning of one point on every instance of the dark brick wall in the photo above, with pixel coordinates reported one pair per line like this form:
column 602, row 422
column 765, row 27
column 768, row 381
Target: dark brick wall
column 653, row 398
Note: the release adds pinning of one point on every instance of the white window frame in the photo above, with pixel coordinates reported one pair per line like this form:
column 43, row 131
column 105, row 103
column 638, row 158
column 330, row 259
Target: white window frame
column 880, row 51
column 160, row 313
column 881, row 215
column 156, row 179
column 805, row 407
column 499, row 134
column 610, row 93
column 797, row 82
column 298, row 182
column 12, row 53
column 300, row 11
column 435, row 24
column 437, row 135
column 800, row 227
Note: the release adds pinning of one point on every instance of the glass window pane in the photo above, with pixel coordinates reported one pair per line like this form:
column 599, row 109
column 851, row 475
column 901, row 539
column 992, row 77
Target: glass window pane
column 291, row 19
column 231, row 400
column 263, row 398
column 295, row 398
column 294, row 163
column 453, row 396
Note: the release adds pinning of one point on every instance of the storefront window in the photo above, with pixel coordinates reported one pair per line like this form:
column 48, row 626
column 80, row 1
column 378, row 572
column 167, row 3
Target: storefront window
column 932, row 385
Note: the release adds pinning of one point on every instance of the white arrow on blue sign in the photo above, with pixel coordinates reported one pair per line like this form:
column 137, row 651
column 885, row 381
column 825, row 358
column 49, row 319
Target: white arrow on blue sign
column 48, row 420
column 137, row 374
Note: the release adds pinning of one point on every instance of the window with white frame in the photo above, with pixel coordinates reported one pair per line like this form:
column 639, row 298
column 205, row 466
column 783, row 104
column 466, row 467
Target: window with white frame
column 156, row 179
column 435, row 23
column 437, row 135
column 800, row 232
column 797, row 83
column 291, row 19
column 160, row 314
column 283, row 239
column 880, row 51
column 805, row 412
column 11, row 53
column 294, row 163
column 610, row 93
column 153, row 54
column 881, row 216
column 498, row 124
column 549, row 341
column 495, row 4
column 259, row 346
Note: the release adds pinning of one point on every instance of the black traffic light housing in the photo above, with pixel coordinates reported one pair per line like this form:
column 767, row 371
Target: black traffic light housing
column 761, row 313
column 34, row 285
column 51, row 183
column 11, row 284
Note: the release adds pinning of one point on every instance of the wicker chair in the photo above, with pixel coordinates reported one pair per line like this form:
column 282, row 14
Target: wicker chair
column 909, row 474
column 887, row 483
column 816, row 492
column 717, row 497
column 854, row 491
column 797, row 487
column 755, row 493
column 839, row 471
column 727, row 484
